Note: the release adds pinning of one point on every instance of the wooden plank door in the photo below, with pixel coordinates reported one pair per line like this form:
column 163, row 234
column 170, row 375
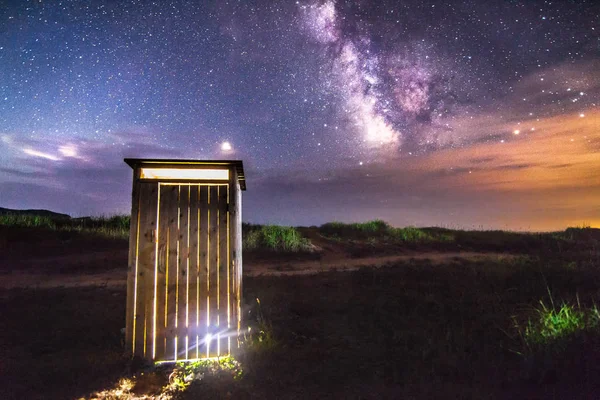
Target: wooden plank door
column 193, row 271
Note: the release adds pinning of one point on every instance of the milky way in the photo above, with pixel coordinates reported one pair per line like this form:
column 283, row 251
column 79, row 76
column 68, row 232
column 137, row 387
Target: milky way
column 305, row 92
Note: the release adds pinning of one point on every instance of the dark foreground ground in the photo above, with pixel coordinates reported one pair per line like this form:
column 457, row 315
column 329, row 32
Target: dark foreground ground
column 413, row 329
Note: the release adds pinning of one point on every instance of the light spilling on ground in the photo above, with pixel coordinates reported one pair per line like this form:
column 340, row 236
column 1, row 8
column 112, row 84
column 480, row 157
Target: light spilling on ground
column 166, row 383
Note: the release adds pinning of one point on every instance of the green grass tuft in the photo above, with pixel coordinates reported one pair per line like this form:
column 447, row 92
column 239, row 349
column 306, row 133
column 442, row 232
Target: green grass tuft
column 186, row 372
column 417, row 235
column 380, row 230
column 274, row 238
column 355, row 230
column 260, row 335
column 559, row 323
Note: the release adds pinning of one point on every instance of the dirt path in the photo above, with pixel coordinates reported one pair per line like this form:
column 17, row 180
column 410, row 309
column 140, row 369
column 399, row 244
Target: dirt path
column 353, row 264
column 118, row 277
column 114, row 278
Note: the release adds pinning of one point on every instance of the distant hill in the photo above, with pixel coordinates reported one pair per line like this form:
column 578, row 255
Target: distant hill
column 43, row 213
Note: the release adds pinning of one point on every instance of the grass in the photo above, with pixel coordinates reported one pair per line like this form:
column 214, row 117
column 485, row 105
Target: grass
column 378, row 232
column 286, row 239
column 27, row 220
column 169, row 381
column 116, row 226
column 274, row 238
column 559, row 323
column 188, row 373
column 381, row 230
column 260, row 331
column 555, row 325
column 558, row 341
column 355, row 230
column 416, row 235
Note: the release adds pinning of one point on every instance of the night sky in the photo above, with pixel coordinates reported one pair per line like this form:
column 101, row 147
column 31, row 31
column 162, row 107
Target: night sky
column 471, row 114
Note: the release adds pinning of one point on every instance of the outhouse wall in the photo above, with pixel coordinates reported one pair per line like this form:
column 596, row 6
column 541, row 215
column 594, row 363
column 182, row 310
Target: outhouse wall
column 184, row 281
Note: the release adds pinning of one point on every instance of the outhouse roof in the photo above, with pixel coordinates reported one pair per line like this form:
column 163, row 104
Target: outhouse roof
column 170, row 163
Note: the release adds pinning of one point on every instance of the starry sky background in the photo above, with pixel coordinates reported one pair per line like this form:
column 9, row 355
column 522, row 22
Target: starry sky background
column 470, row 114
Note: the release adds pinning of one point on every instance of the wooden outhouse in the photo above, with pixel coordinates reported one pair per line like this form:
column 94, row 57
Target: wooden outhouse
column 184, row 278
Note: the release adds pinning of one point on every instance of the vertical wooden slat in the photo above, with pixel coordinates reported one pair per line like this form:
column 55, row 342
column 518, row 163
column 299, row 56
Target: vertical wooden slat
column 131, row 265
column 171, row 283
column 213, row 273
column 145, row 269
column 203, row 287
column 183, row 280
column 223, row 277
column 194, row 230
column 150, row 268
column 166, row 203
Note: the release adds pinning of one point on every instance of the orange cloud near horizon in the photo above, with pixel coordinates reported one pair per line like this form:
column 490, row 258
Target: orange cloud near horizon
column 543, row 179
column 552, row 172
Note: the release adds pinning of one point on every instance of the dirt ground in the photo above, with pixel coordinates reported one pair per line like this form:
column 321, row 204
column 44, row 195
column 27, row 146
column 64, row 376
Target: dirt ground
column 32, row 277
column 34, row 259
column 412, row 324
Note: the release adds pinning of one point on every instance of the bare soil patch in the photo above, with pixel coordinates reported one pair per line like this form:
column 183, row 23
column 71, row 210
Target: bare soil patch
column 109, row 268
